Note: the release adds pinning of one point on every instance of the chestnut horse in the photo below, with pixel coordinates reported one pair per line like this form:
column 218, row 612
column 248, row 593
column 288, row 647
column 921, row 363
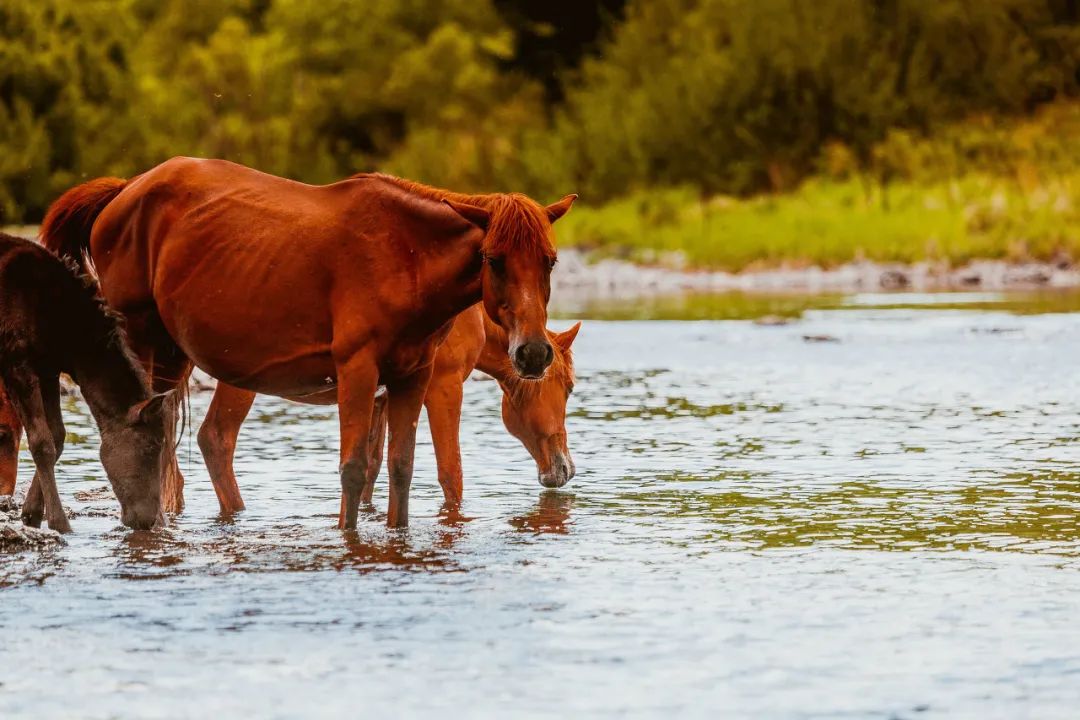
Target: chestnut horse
column 287, row 289
column 533, row 411
column 10, row 436
column 54, row 322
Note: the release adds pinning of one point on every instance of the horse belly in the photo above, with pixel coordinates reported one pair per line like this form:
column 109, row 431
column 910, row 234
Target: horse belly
column 253, row 329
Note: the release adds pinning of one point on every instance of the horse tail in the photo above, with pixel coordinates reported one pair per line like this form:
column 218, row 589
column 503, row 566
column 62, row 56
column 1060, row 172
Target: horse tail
column 67, row 225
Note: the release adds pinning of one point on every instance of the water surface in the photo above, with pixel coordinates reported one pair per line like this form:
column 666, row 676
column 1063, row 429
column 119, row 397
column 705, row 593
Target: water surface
column 880, row 523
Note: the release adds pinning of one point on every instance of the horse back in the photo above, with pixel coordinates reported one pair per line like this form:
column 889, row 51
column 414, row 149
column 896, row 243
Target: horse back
column 248, row 272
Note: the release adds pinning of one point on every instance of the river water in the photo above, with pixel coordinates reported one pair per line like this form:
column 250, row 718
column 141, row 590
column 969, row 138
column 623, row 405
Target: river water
column 869, row 512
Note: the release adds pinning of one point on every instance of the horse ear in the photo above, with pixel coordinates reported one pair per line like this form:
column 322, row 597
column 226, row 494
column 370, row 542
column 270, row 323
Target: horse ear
column 557, row 210
column 149, row 411
column 475, row 214
column 566, row 339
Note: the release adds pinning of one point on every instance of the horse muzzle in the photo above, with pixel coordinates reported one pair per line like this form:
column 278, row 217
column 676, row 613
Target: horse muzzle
column 143, row 517
column 560, row 472
column 531, row 359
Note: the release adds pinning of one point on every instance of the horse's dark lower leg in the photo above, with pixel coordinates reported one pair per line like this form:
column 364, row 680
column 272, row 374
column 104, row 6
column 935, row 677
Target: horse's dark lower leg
column 37, row 403
column 403, row 412
column 358, row 380
column 34, row 504
column 376, row 443
column 33, row 509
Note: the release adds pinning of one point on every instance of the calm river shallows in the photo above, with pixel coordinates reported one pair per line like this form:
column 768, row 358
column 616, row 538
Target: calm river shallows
column 882, row 521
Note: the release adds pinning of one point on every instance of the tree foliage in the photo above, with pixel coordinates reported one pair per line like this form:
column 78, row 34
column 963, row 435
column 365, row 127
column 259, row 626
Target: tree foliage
column 722, row 95
column 739, row 96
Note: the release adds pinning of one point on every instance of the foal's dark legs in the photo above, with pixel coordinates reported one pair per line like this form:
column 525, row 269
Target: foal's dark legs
column 37, row 402
column 34, row 505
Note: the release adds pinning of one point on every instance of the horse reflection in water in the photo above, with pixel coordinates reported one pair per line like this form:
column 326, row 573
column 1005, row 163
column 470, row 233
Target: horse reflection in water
column 551, row 515
column 294, row 547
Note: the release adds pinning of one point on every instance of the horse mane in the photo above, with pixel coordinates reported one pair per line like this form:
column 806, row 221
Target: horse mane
column 104, row 326
column 518, row 224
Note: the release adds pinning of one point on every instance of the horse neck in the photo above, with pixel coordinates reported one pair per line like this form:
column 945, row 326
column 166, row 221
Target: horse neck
column 110, row 382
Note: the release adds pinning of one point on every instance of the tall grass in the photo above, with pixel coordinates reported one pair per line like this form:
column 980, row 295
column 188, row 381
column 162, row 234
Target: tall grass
column 978, row 190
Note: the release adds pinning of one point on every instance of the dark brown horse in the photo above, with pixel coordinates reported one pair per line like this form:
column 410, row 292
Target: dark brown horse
column 533, row 411
column 52, row 321
column 293, row 290
column 10, row 437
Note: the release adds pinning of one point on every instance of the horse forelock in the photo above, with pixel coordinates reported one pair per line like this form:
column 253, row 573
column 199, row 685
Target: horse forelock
column 518, row 225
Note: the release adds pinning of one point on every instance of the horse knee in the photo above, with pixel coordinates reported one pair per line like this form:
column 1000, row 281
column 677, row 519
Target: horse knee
column 400, row 470
column 354, row 473
column 43, row 450
column 212, row 442
column 207, row 439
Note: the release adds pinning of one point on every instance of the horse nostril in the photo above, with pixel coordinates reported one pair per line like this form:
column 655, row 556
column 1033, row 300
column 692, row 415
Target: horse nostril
column 521, row 355
column 534, row 357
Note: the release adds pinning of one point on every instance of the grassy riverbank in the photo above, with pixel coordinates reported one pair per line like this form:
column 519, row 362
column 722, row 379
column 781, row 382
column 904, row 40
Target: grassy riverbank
column 982, row 189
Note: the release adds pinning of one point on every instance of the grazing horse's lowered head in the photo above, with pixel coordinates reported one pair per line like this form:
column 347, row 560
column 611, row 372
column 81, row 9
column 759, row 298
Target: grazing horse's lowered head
column 131, row 455
column 534, row 411
column 518, row 256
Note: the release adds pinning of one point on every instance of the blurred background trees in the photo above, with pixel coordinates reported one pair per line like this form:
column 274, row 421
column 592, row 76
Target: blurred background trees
column 603, row 97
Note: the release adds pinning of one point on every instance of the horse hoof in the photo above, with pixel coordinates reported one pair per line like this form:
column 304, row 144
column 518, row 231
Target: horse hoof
column 60, row 525
column 32, row 519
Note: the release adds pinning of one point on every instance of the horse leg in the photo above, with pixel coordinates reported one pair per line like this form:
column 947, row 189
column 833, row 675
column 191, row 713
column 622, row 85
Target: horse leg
column 376, row 443
column 406, row 399
column 443, row 404
column 358, row 379
column 34, row 504
column 40, row 420
column 217, row 440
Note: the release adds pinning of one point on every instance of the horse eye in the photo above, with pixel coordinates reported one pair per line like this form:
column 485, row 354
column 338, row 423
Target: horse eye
column 551, row 263
column 497, row 264
column 570, row 390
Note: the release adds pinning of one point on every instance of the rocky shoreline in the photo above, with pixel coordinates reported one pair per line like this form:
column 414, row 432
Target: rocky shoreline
column 577, row 275
column 608, row 278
